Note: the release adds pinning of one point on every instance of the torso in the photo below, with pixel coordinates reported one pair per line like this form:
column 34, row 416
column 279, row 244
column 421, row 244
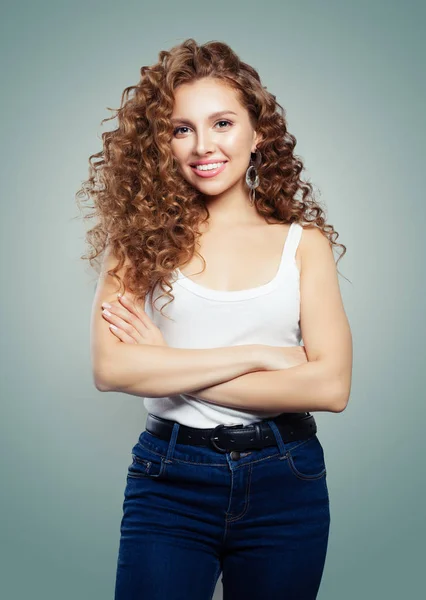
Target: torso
column 239, row 257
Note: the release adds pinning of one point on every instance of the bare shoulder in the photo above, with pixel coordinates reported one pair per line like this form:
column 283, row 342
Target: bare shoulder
column 314, row 243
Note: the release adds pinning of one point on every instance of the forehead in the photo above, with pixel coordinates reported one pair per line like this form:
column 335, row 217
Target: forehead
column 204, row 97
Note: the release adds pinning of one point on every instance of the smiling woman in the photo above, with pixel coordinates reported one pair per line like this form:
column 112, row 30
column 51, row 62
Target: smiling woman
column 200, row 201
column 209, row 138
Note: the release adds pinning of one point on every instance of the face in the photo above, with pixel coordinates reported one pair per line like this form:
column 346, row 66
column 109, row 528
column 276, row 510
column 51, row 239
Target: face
column 201, row 134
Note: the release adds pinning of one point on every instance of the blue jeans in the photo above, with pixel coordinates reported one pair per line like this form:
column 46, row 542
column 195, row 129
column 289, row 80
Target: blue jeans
column 191, row 513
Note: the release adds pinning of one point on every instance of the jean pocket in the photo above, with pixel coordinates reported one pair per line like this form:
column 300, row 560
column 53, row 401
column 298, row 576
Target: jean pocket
column 306, row 461
column 146, row 463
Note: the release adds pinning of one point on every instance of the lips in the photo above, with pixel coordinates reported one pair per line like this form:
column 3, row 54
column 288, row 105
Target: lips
column 210, row 172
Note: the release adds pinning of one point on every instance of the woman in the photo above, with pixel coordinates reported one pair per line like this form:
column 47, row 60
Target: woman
column 195, row 195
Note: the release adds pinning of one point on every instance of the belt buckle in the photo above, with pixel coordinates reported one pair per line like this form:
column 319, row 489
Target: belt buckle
column 213, row 438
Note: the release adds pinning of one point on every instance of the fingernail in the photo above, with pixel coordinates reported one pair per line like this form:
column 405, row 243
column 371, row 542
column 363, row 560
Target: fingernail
column 106, row 305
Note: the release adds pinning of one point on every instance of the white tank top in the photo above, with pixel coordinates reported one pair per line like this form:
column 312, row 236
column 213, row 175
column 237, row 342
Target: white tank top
column 205, row 318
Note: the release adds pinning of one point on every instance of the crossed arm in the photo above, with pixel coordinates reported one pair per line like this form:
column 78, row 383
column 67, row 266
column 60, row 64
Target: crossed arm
column 324, row 382
column 311, row 386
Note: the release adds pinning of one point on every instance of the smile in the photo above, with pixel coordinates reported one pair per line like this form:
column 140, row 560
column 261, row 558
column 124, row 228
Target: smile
column 209, row 170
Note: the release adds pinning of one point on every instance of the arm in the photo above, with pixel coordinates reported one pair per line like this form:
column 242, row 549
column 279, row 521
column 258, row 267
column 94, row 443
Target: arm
column 324, row 382
column 154, row 371
column 307, row 387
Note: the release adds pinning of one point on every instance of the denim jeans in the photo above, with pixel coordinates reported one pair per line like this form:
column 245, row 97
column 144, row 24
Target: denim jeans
column 191, row 513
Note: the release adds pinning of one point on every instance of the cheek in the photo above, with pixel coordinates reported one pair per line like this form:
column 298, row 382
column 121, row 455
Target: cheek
column 181, row 156
column 237, row 148
column 176, row 151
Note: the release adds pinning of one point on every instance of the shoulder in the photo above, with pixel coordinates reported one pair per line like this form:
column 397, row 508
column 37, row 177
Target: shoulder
column 311, row 234
column 314, row 246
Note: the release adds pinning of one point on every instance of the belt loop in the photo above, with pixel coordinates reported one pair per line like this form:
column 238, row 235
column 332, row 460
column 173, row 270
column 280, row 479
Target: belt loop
column 258, row 430
column 172, row 443
column 278, row 437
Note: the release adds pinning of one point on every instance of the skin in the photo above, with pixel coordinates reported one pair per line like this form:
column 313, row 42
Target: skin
column 229, row 137
column 320, row 376
column 197, row 136
column 241, row 249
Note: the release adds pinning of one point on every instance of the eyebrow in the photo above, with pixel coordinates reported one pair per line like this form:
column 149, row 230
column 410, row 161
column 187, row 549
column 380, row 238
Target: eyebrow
column 212, row 116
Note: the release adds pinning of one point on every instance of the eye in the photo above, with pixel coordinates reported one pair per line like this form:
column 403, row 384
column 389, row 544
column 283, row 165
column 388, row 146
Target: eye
column 178, row 129
column 224, row 121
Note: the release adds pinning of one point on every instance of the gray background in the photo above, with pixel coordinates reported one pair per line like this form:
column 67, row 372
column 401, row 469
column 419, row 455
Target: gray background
column 350, row 78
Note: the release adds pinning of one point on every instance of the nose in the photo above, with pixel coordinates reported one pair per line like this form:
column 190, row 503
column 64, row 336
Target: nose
column 203, row 144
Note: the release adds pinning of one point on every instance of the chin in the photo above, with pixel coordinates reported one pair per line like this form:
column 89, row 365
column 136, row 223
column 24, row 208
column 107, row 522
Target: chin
column 211, row 192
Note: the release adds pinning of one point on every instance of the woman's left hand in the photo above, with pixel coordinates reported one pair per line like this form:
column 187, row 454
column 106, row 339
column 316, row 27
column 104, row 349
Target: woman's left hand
column 131, row 324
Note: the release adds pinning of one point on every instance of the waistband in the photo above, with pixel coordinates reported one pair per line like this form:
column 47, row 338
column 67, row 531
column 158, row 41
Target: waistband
column 225, row 438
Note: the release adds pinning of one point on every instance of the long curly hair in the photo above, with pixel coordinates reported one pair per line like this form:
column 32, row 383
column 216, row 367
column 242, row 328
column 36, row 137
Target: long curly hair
column 147, row 213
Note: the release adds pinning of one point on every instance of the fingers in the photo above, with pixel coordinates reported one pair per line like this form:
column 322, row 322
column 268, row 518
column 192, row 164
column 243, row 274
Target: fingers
column 138, row 312
column 124, row 301
column 114, row 309
column 122, row 335
column 134, row 322
column 124, row 325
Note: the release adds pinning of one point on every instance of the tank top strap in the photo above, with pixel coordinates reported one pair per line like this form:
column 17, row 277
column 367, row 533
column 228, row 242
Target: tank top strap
column 292, row 241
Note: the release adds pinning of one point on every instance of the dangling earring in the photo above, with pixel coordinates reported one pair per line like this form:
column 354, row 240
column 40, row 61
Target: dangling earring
column 252, row 172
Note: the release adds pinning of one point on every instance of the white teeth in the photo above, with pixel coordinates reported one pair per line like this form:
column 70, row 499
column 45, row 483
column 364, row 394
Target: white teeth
column 209, row 167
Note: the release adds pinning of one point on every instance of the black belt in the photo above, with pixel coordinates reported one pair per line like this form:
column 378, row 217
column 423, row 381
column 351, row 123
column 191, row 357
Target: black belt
column 224, row 438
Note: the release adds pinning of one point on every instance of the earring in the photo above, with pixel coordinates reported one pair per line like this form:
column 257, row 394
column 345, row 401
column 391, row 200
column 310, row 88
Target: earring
column 252, row 172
